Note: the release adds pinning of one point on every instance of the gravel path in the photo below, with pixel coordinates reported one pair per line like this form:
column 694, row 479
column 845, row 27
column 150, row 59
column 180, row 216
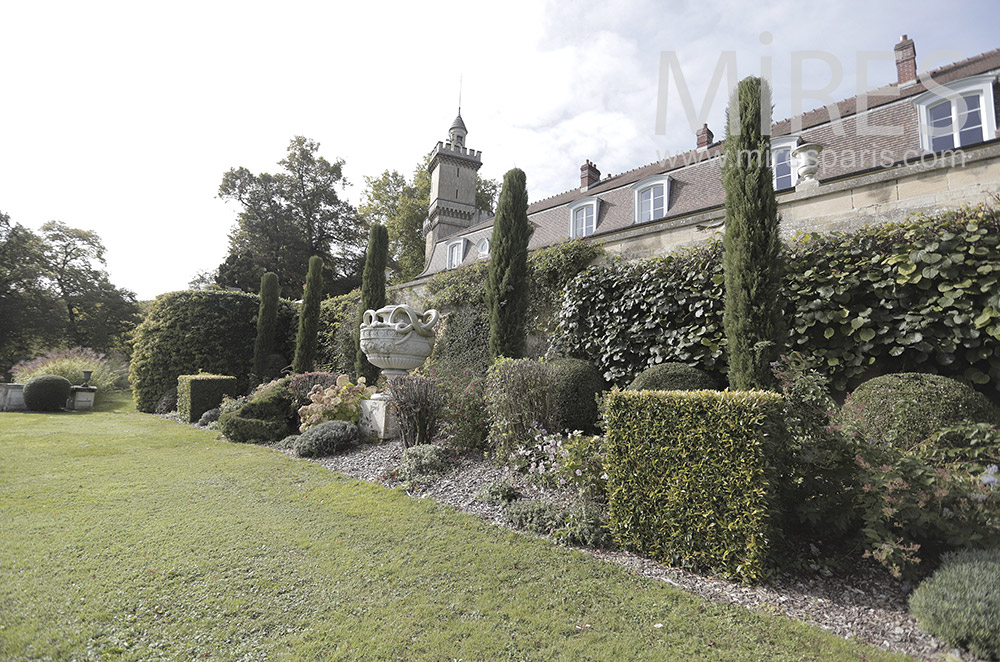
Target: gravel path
column 868, row 605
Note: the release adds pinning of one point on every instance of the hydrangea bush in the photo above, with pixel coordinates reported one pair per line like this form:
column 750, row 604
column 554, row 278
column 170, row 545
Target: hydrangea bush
column 340, row 402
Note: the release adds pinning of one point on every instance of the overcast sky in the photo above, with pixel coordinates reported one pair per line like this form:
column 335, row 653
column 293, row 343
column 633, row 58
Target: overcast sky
column 122, row 117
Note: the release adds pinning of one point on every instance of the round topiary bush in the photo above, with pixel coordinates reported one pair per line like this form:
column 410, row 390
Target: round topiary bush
column 960, row 602
column 574, row 385
column 326, row 439
column 46, row 393
column 902, row 409
column 673, row 377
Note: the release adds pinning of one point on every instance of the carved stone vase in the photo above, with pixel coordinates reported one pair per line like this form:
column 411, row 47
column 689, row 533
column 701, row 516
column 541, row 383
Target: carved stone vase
column 398, row 338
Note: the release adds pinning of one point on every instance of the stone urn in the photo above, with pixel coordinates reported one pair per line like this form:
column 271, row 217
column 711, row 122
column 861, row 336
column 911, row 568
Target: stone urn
column 398, row 338
column 807, row 156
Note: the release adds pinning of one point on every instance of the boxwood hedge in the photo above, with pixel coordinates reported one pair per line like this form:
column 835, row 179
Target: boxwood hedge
column 916, row 296
column 693, row 477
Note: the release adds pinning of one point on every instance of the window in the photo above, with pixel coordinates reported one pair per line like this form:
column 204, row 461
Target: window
column 651, row 198
column 957, row 114
column 483, row 247
column 583, row 217
column 456, row 253
column 783, row 163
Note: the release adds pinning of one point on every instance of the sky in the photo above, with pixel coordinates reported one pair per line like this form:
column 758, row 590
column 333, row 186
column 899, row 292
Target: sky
column 122, row 117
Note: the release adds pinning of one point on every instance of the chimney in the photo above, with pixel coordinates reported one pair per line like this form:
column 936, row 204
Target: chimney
column 906, row 62
column 589, row 175
column 705, row 137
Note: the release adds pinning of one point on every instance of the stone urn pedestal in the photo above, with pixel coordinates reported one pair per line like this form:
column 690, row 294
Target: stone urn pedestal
column 396, row 339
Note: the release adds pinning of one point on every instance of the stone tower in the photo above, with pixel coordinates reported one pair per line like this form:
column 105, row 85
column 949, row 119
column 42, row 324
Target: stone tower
column 453, row 187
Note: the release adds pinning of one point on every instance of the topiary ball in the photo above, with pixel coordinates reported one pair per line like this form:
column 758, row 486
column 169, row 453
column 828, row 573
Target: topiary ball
column 574, row 387
column 960, row 602
column 900, row 410
column 326, row 439
column 46, row 393
column 673, row 377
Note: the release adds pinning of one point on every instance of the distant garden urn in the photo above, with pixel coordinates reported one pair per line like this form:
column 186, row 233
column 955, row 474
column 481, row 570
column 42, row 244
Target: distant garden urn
column 807, row 156
column 398, row 338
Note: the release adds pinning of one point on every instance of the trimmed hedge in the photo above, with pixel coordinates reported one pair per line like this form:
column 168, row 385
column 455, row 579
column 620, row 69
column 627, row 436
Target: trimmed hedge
column 46, row 393
column 692, row 478
column 198, row 331
column 921, row 296
column 903, row 409
column 196, row 394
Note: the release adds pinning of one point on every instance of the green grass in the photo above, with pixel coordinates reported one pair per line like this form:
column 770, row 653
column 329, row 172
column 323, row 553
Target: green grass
column 128, row 537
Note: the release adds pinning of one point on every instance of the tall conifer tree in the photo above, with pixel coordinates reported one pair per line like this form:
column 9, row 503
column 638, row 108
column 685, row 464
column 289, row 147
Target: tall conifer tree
column 506, row 284
column 305, row 340
column 751, row 246
column 267, row 317
column 372, row 295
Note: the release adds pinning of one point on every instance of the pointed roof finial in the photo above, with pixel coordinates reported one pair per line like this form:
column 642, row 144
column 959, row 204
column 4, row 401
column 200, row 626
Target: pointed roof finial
column 460, row 95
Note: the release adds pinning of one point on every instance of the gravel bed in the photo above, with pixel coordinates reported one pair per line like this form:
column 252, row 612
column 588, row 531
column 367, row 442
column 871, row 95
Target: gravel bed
column 869, row 605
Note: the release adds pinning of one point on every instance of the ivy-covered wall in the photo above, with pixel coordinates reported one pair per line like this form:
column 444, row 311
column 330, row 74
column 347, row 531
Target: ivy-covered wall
column 920, row 295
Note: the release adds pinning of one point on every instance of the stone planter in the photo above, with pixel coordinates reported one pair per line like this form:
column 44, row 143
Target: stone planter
column 11, row 397
column 81, row 398
column 398, row 338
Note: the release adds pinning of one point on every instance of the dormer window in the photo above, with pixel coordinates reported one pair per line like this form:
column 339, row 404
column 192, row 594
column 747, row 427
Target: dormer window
column 583, row 217
column 783, row 165
column 957, row 114
column 651, row 197
column 456, row 253
column 483, row 248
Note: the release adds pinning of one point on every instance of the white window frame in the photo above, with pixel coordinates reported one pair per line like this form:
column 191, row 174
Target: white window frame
column 954, row 91
column 460, row 244
column 483, row 247
column 778, row 144
column 644, row 185
column 590, row 201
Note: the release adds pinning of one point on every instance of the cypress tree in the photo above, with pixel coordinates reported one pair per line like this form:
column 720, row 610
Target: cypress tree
column 372, row 295
column 506, row 284
column 305, row 340
column 751, row 245
column 267, row 317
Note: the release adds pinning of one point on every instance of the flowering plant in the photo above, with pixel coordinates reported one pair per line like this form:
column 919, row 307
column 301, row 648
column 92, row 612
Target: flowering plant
column 570, row 460
column 340, row 402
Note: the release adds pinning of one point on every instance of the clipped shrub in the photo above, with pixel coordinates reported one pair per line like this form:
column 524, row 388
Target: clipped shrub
column 265, row 417
column 267, row 321
column 184, row 333
column 519, row 402
column 167, row 402
column 960, row 602
column 288, row 442
column 423, row 461
column 110, row 373
column 209, row 417
column 196, row 394
column 913, row 296
column 672, row 376
column 692, row 480
column 418, row 403
column 466, row 421
column 574, row 385
column 326, row 438
column 540, row 517
column 46, row 393
column 902, row 409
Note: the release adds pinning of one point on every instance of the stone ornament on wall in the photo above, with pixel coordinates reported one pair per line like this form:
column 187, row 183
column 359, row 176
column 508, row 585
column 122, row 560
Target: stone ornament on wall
column 398, row 338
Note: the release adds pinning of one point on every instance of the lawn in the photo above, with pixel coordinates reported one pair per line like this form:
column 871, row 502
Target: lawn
column 127, row 537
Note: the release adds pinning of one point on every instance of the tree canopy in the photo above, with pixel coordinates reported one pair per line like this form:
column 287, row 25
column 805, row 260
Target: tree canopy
column 288, row 217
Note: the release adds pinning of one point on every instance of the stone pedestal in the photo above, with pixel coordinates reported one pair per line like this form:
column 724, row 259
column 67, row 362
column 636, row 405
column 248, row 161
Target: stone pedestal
column 11, row 397
column 377, row 421
column 81, row 398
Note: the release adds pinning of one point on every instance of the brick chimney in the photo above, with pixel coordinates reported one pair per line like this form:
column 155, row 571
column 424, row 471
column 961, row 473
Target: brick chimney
column 705, row 137
column 906, row 62
column 589, row 175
